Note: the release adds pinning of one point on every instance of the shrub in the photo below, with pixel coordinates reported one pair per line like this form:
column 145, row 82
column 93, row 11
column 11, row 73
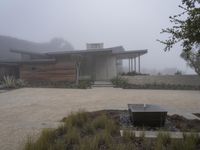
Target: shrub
column 132, row 73
column 178, row 72
column 84, row 84
column 21, row 83
column 119, row 81
column 9, row 82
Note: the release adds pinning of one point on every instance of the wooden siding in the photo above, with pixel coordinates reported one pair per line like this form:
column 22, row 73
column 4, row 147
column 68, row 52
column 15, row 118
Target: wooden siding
column 9, row 70
column 61, row 71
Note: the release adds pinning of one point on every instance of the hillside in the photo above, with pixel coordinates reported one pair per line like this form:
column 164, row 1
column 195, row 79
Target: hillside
column 7, row 43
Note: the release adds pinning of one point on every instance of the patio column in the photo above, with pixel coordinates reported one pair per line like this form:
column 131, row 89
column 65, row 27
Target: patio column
column 131, row 64
column 139, row 63
column 135, row 64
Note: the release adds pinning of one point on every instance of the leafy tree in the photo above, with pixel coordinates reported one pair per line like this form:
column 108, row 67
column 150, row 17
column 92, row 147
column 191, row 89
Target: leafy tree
column 186, row 30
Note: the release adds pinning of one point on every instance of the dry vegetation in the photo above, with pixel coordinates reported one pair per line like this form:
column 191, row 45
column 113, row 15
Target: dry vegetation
column 98, row 131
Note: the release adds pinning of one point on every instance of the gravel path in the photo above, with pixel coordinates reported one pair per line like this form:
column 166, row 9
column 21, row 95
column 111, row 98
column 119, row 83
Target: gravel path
column 28, row 110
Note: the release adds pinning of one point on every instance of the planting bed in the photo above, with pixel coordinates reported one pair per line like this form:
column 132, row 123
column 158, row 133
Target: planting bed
column 99, row 130
column 173, row 122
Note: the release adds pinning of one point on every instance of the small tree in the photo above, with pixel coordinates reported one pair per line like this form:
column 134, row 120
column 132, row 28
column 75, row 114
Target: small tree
column 78, row 59
column 186, row 30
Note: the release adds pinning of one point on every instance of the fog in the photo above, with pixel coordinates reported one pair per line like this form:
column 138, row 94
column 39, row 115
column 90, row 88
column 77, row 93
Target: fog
column 130, row 23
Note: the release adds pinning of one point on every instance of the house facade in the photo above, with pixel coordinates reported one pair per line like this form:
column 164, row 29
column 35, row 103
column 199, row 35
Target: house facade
column 95, row 63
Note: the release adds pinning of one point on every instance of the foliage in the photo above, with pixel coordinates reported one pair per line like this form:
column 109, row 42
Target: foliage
column 163, row 140
column 178, row 72
column 119, row 81
column 79, row 131
column 11, row 82
column 128, row 136
column 162, row 86
column 186, row 30
column 133, row 73
column 21, row 83
column 84, row 84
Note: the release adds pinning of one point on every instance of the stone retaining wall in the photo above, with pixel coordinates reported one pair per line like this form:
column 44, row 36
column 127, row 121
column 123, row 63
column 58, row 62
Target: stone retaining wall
column 193, row 80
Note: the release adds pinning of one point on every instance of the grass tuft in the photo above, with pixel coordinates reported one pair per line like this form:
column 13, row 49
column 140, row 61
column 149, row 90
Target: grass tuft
column 77, row 119
column 163, row 140
column 128, row 136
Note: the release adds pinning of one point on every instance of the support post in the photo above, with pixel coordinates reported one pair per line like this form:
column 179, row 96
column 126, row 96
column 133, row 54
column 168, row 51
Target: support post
column 129, row 67
column 131, row 64
column 139, row 63
column 135, row 65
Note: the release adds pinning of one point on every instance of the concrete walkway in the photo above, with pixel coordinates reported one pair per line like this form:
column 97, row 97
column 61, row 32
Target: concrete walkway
column 154, row 134
column 27, row 111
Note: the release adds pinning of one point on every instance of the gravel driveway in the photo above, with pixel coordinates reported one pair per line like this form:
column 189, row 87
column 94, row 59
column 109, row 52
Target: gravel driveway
column 28, row 110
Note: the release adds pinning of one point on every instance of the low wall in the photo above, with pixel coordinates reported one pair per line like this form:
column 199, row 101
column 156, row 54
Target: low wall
column 193, row 80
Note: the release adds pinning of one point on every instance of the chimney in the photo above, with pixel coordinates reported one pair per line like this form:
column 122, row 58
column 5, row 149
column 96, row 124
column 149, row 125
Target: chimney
column 91, row 46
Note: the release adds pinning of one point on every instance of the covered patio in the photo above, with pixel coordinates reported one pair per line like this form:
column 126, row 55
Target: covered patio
column 133, row 57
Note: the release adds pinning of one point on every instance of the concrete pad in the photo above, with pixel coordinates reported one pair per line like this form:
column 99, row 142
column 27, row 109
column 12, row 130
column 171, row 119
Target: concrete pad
column 154, row 134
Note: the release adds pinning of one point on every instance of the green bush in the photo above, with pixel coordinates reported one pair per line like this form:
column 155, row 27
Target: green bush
column 84, row 84
column 119, row 81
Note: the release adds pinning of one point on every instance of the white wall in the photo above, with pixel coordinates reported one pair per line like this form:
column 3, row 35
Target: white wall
column 105, row 67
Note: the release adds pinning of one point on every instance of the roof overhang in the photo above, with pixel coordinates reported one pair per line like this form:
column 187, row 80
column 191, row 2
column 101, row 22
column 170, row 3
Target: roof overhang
column 130, row 54
column 79, row 52
column 27, row 52
column 35, row 61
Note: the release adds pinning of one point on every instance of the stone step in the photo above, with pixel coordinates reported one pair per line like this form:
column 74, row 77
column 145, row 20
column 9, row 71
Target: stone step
column 102, row 84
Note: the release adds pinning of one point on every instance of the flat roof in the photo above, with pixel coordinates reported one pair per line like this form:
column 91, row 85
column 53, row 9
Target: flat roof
column 118, row 51
column 12, row 62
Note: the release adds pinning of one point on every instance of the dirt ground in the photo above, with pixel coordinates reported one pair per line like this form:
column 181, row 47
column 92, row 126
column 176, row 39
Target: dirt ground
column 26, row 111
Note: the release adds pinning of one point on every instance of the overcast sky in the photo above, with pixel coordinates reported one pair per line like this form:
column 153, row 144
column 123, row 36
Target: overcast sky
column 134, row 24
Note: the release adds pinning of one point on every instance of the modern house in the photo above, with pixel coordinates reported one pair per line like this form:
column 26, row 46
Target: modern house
column 95, row 62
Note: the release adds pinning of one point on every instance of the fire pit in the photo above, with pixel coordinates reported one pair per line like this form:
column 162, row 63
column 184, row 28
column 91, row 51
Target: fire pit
column 147, row 115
